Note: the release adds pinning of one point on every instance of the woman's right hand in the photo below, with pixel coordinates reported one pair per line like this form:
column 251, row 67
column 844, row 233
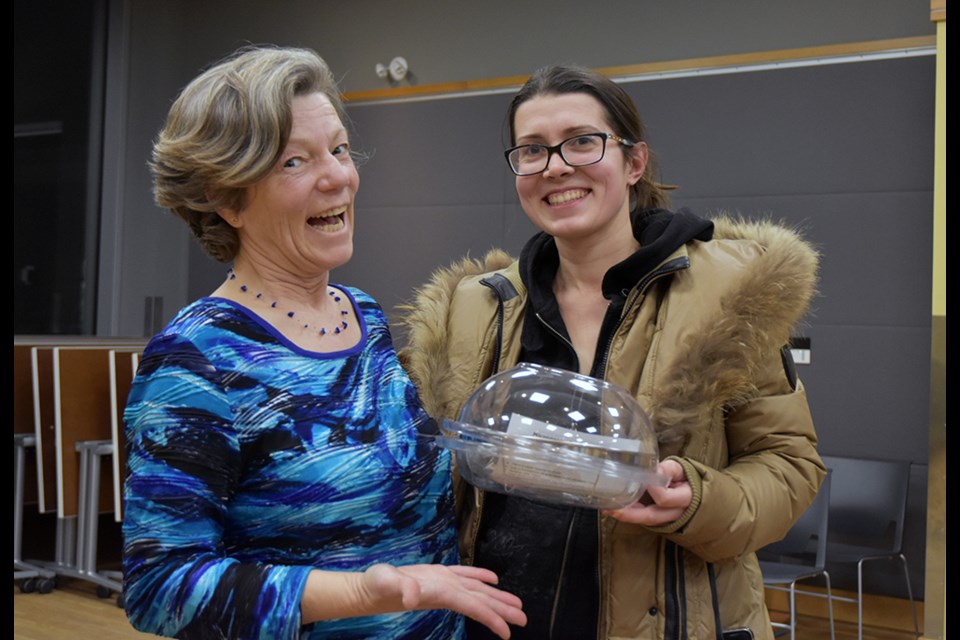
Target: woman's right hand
column 466, row 590
column 384, row 588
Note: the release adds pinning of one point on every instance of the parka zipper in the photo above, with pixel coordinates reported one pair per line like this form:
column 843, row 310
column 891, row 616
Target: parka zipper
column 573, row 519
column 598, row 577
column 715, row 600
column 674, row 592
column 665, row 269
column 557, row 333
column 563, row 571
column 477, row 493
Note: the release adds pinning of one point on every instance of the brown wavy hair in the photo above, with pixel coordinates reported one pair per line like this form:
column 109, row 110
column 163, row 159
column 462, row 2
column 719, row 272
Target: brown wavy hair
column 226, row 131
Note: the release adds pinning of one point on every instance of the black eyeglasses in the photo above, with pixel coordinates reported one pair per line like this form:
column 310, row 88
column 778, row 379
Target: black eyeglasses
column 578, row 151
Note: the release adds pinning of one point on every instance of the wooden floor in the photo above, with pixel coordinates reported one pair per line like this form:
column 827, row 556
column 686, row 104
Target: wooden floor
column 73, row 610
column 809, row 628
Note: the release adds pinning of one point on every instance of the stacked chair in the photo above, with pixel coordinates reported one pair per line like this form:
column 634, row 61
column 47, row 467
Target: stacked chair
column 801, row 555
column 70, row 418
column 868, row 508
column 857, row 517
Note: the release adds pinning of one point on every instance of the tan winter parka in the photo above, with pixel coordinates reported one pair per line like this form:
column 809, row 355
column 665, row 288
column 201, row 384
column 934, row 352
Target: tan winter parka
column 699, row 345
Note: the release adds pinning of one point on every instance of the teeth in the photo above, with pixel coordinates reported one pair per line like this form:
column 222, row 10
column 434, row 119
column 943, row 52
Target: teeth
column 321, row 225
column 566, row 196
column 330, row 221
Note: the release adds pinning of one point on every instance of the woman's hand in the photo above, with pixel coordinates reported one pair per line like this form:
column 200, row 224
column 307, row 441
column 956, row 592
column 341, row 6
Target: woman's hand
column 384, row 588
column 466, row 590
column 668, row 503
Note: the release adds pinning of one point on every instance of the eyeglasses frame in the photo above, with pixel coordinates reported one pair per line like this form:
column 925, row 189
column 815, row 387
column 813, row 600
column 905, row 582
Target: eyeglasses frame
column 556, row 149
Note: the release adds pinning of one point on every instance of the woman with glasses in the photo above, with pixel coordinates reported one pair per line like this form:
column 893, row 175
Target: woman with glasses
column 692, row 316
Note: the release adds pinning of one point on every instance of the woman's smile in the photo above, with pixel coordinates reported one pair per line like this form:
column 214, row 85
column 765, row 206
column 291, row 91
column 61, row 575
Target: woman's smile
column 566, row 196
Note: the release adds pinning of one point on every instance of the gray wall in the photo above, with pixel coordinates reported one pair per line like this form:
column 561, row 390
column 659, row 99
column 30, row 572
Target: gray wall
column 157, row 47
column 845, row 151
column 446, row 42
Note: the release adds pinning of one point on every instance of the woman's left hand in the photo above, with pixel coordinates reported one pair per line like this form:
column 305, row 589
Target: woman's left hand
column 464, row 589
column 385, row 588
column 668, row 503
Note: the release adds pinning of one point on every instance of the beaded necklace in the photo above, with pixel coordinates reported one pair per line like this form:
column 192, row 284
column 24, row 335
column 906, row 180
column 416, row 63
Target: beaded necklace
column 322, row 331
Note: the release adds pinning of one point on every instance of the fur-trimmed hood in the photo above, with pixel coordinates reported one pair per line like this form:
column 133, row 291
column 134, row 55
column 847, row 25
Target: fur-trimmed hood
column 719, row 364
column 719, row 361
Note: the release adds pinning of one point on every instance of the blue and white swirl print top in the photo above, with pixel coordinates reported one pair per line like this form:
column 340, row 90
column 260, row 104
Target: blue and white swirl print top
column 252, row 461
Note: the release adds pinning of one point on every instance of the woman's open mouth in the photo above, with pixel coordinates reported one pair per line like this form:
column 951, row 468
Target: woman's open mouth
column 330, row 221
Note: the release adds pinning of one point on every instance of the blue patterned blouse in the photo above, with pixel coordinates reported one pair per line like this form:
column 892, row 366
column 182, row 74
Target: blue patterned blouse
column 252, row 461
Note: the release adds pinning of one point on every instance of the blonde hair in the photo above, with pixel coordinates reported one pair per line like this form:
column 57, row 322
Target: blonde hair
column 226, row 131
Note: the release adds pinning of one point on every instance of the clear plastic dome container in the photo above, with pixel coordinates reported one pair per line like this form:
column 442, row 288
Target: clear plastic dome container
column 555, row 436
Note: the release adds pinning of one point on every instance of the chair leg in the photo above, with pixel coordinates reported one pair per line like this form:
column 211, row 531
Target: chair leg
column 860, row 599
column 906, row 575
column 793, row 610
column 830, row 605
column 913, row 603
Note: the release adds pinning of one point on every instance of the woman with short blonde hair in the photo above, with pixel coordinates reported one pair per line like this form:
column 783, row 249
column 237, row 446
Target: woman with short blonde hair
column 279, row 482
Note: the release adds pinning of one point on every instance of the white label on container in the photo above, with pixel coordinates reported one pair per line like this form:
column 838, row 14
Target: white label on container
column 512, row 472
column 524, row 426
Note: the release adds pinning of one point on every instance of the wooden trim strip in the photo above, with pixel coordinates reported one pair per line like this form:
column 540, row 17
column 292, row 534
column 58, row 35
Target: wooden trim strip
column 689, row 64
column 436, row 89
column 938, row 10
